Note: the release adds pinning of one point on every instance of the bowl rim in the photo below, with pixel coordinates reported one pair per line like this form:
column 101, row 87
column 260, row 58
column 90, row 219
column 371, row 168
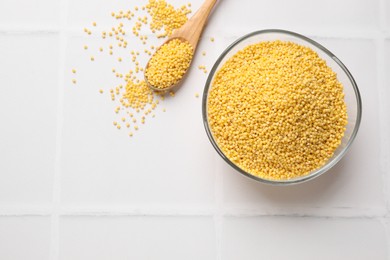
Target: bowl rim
column 315, row 173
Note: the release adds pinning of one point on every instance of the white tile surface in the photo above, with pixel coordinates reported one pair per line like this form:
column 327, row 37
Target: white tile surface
column 234, row 17
column 164, row 163
column 78, row 18
column 28, row 109
column 386, row 14
column 341, row 187
column 387, row 224
column 137, row 238
column 386, row 113
column 35, row 14
column 85, row 190
column 303, row 238
column 24, row 238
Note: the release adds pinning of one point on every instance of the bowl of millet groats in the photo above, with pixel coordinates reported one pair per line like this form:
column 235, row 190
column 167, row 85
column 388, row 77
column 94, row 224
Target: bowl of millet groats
column 280, row 108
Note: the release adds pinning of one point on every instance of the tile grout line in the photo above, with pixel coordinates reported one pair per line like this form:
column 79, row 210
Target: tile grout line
column 218, row 210
column 218, row 213
column 385, row 142
column 342, row 34
column 384, row 123
column 386, row 227
column 382, row 15
column 137, row 211
column 55, row 214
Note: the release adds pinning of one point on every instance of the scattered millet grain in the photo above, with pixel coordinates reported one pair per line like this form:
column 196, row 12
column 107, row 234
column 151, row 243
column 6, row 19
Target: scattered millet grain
column 277, row 110
column 168, row 65
column 137, row 95
column 203, row 68
column 134, row 94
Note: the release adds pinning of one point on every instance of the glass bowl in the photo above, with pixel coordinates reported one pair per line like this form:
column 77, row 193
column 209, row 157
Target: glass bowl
column 351, row 91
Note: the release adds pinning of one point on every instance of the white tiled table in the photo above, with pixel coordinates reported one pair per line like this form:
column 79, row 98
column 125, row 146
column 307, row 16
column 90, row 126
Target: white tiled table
column 74, row 187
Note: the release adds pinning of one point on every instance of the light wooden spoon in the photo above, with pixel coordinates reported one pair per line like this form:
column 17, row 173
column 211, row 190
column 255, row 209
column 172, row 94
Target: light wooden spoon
column 189, row 32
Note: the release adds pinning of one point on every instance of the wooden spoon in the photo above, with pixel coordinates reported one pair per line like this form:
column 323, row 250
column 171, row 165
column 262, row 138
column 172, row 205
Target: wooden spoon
column 189, row 32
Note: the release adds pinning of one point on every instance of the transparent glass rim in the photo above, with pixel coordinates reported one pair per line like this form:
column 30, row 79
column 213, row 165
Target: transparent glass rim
column 315, row 173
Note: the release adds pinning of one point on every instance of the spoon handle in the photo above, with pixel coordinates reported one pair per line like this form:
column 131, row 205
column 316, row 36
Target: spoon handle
column 192, row 29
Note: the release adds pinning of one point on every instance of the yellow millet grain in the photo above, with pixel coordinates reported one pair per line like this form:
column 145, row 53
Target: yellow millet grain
column 168, row 65
column 163, row 19
column 137, row 95
column 166, row 17
column 277, row 110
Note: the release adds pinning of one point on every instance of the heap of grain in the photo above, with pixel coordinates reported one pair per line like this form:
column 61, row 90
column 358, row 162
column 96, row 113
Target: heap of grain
column 276, row 110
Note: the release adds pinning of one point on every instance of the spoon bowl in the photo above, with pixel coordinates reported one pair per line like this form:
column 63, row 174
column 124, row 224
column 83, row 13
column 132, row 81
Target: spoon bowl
column 175, row 85
column 190, row 32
